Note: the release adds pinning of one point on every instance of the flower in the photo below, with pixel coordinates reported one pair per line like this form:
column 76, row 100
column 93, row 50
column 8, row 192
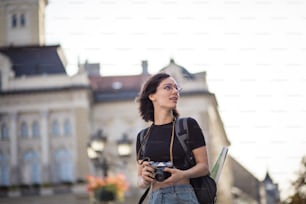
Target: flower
column 116, row 184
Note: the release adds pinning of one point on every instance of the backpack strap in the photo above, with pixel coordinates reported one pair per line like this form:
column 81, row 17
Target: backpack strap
column 143, row 142
column 182, row 134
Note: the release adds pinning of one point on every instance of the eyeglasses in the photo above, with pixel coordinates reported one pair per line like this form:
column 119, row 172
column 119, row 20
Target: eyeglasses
column 170, row 87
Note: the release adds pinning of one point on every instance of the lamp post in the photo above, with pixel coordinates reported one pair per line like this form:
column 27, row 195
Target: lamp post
column 96, row 148
column 124, row 146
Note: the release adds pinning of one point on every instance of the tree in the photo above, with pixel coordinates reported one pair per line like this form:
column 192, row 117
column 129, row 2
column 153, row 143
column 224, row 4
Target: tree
column 299, row 186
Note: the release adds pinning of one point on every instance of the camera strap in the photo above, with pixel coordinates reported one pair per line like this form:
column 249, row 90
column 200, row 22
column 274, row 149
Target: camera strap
column 171, row 143
column 144, row 195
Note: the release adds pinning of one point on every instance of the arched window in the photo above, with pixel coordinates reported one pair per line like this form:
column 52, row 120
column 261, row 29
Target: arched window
column 55, row 128
column 24, row 132
column 14, row 21
column 63, row 166
column 22, row 20
column 31, row 169
column 35, row 129
column 4, row 134
column 67, row 128
column 4, row 170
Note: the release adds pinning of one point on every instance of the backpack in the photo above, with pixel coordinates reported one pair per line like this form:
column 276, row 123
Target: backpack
column 204, row 187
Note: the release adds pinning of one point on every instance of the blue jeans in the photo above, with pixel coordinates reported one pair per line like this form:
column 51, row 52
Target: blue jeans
column 175, row 194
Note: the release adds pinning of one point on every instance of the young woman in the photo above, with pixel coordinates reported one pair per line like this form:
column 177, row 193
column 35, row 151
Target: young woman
column 157, row 103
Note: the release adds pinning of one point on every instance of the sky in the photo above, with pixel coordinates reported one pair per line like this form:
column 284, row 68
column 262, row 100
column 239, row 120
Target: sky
column 254, row 53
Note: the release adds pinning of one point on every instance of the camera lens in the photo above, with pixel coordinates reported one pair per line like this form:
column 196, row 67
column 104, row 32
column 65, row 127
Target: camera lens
column 161, row 175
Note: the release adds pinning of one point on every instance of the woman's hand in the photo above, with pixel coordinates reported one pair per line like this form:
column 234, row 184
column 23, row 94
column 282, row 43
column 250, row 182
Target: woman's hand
column 145, row 173
column 176, row 175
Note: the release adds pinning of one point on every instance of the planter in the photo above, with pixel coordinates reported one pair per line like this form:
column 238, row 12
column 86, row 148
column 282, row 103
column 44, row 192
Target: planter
column 103, row 195
column 79, row 189
column 29, row 190
column 46, row 191
column 15, row 193
column 62, row 188
column 4, row 190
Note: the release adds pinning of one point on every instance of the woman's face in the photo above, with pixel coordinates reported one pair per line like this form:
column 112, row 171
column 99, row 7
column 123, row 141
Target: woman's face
column 166, row 95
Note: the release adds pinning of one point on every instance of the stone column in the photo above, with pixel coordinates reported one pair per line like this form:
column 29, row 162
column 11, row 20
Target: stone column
column 14, row 173
column 45, row 147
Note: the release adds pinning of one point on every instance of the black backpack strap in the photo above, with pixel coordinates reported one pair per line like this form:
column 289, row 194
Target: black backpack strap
column 182, row 133
column 142, row 143
column 140, row 152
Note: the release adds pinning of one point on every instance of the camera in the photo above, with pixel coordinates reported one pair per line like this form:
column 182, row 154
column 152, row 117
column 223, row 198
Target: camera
column 159, row 173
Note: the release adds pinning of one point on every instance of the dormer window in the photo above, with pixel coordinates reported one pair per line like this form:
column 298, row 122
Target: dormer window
column 117, row 85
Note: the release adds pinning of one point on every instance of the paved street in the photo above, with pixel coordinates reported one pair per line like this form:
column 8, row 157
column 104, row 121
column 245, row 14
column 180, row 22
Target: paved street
column 76, row 195
column 59, row 199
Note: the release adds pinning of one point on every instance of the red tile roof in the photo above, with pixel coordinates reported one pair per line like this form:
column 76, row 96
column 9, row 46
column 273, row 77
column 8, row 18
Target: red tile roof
column 117, row 83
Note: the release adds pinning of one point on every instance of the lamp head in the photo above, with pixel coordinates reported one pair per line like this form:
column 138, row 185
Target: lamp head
column 124, row 146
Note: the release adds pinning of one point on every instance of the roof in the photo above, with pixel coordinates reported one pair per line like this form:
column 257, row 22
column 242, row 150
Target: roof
column 112, row 84
column 184, row 72
column 244, row 180
column 113, row 88
column 268, row 178
column 35, row 60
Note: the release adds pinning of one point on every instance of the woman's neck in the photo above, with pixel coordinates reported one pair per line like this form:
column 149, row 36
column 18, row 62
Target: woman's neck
column 160, row 119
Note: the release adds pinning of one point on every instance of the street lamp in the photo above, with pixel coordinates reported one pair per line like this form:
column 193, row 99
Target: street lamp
column 95, row 150
column 96, row 147
column 124, row 146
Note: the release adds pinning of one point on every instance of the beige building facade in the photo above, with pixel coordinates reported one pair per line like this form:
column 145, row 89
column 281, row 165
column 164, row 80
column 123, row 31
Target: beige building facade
column 67, row 111
column 47, row 117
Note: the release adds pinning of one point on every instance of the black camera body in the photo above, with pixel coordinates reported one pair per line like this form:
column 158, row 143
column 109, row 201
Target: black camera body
column 159, row 173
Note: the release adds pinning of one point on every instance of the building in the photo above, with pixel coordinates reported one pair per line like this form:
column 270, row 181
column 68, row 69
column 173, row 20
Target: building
column 44, row 112
column 270, row 191
column 47, row 117
column 246, row 187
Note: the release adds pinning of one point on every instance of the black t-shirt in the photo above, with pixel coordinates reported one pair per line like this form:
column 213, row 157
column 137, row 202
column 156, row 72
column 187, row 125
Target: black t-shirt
column 158, row 143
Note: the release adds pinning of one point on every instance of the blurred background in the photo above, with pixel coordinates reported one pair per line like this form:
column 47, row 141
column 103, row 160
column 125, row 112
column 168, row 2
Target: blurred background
column 70, row 72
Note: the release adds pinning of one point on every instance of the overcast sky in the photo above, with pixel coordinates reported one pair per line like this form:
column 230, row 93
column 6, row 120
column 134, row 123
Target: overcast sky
column 254, row 53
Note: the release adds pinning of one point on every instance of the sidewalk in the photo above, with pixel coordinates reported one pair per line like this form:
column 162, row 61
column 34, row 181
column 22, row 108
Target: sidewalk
column 58, row 199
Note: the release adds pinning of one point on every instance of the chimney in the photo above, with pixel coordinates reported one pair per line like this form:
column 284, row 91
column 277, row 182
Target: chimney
column 144, row 65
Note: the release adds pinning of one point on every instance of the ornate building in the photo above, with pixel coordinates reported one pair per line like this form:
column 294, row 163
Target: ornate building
column 48, row 117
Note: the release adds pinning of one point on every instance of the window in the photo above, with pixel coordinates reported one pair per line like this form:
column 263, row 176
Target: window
column 55, row 128
column 4, row 170
column 22, row 20
column 35, row 129
column 32, row 169
column 63, row 166
column 14, row 21
column 67, row 128
column 4, row 134
column 24, row 132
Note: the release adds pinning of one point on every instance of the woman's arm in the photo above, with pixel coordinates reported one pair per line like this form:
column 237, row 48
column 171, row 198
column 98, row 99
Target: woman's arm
column 201, row 168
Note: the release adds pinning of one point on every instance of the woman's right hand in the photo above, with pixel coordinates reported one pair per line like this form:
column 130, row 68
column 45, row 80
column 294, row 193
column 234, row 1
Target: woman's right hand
column 147, row 172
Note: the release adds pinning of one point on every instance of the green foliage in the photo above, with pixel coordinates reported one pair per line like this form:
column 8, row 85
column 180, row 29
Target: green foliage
column 299, row 186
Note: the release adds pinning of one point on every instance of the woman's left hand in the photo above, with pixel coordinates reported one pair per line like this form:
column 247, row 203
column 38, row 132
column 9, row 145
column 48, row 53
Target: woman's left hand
column 176, row 175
